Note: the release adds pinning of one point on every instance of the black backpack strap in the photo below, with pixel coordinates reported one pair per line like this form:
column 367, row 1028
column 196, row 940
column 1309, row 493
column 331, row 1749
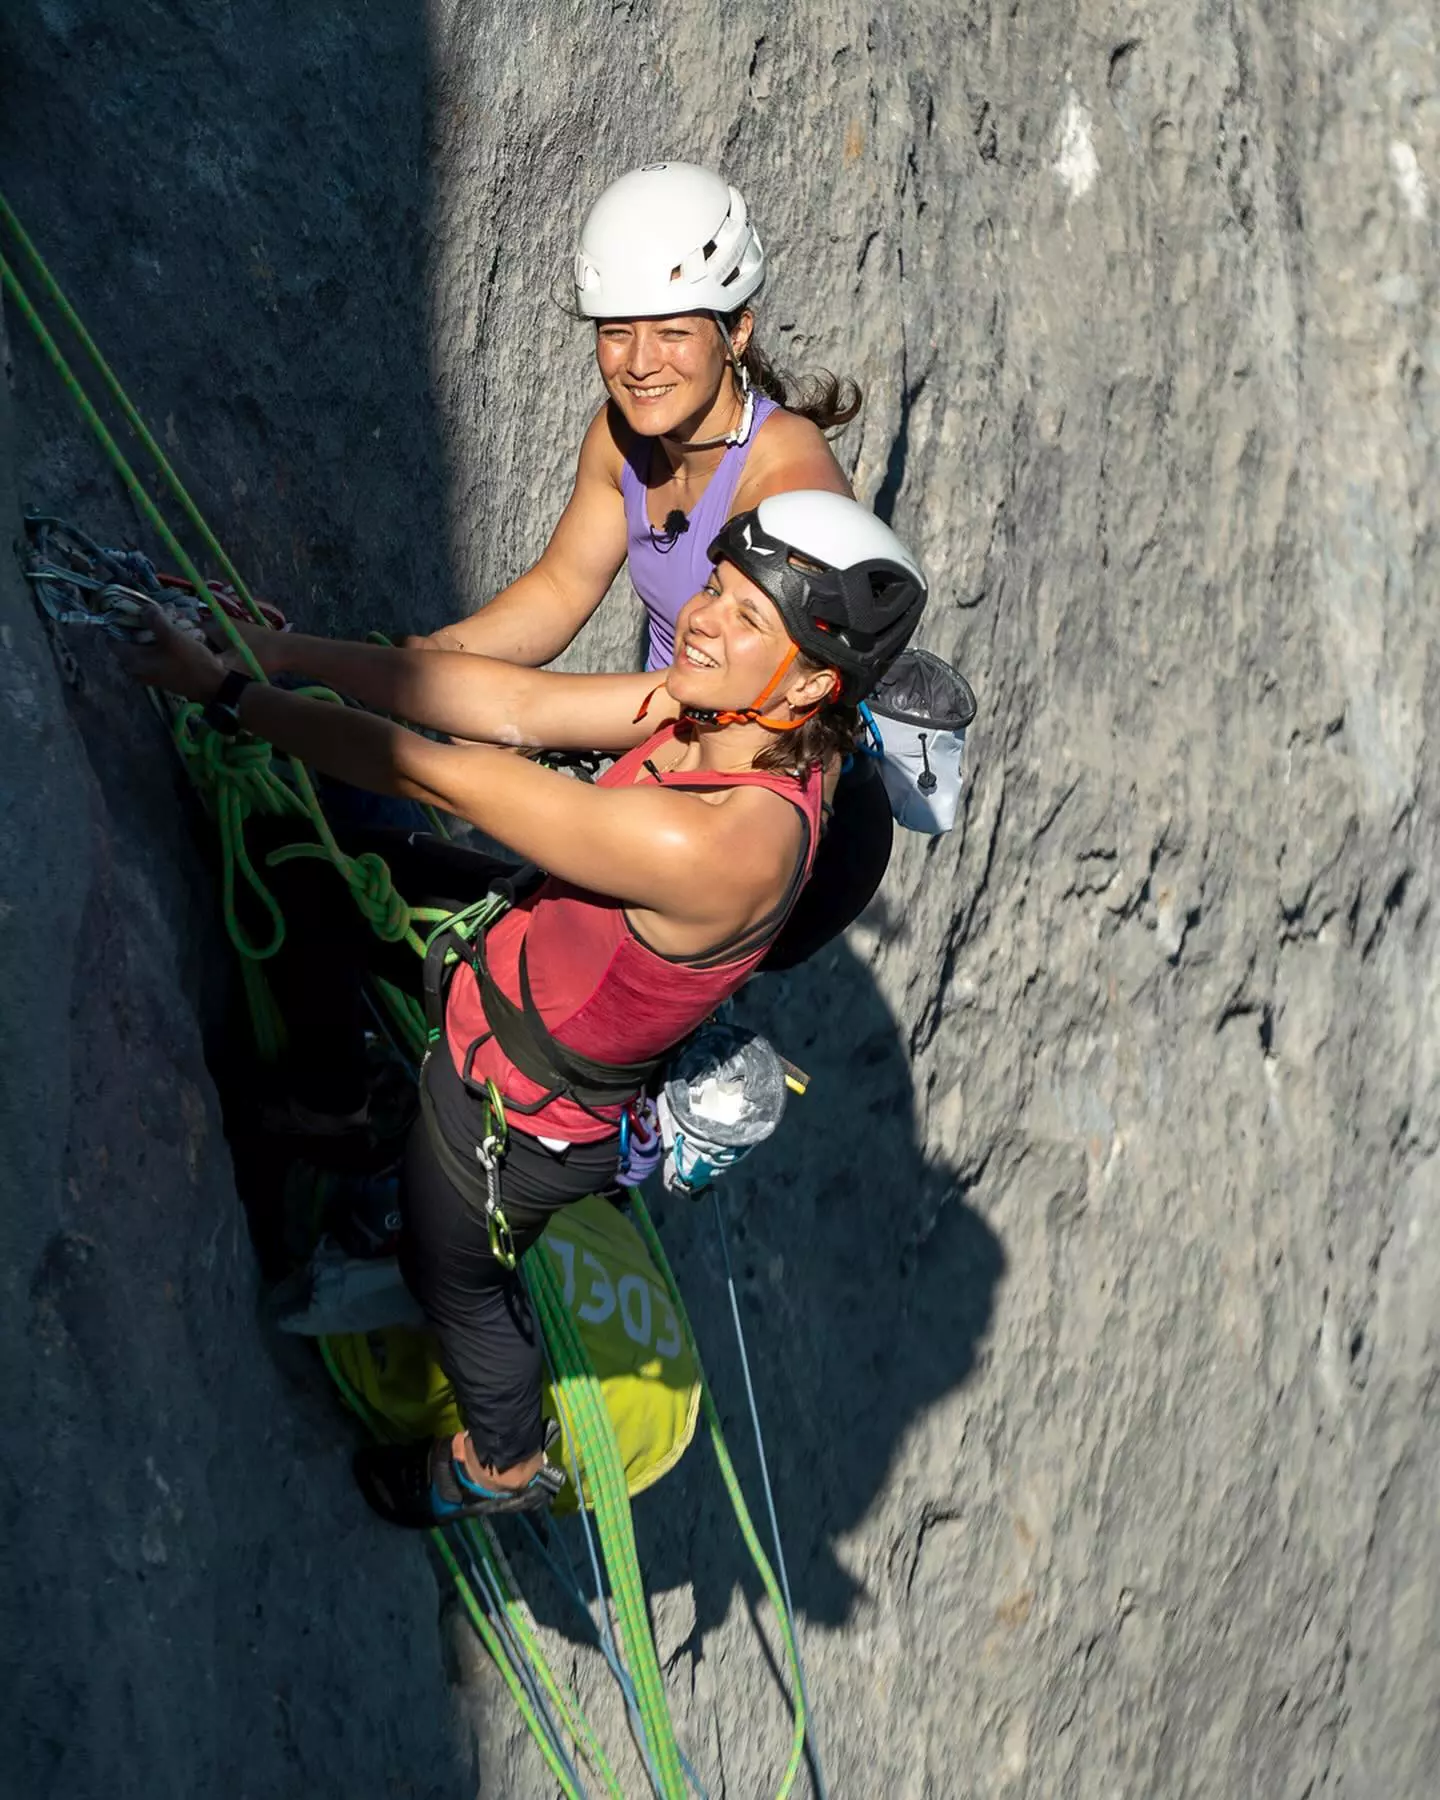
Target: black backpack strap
column 538, row 1054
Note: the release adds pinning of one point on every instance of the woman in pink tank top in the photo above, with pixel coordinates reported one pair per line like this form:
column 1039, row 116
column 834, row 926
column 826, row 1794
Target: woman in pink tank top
column 665, row 884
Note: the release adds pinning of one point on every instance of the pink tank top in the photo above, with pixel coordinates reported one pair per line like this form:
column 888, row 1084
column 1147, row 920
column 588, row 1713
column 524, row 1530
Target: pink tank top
column 669, row 571
column 599, row 989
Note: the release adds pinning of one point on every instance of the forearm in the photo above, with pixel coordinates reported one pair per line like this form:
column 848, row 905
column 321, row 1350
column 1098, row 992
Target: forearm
column 353, row 746
column 502, row 794
column 529, row 623
column 466, row 695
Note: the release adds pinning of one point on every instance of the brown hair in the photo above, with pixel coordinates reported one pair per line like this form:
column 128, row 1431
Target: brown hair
column 832, row 731
column 827, row 400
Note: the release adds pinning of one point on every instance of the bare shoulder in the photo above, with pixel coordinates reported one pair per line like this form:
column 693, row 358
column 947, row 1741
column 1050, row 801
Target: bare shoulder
column 789, row 452
column 753, row 832
column 602, row 453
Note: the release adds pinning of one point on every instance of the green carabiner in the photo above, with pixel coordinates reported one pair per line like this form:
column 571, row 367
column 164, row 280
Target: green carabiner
column 502, row 1244
column 498, row 1131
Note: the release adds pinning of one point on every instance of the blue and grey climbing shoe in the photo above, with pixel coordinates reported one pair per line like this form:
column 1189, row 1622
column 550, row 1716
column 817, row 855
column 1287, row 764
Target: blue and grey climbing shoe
column 421, row 1485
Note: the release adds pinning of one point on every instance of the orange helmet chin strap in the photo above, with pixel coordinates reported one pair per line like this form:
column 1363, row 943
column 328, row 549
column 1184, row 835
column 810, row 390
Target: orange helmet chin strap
column 645, row 703
column 752, row 714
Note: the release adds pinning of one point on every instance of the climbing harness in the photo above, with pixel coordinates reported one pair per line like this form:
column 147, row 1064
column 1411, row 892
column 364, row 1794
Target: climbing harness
column 238, row 775
column 556, row 1068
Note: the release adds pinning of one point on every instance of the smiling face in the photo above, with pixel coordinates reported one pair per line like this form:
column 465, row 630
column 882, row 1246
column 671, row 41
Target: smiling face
column 729, row 643
column 671, row 376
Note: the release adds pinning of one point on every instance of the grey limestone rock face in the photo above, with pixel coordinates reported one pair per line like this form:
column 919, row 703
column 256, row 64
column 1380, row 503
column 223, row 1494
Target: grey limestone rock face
column 1093, row 1292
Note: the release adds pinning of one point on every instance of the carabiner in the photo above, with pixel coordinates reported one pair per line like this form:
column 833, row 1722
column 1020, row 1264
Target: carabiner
column 490, row 1152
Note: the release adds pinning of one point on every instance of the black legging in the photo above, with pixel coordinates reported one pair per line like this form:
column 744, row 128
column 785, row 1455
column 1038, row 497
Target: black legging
column 478, row 1309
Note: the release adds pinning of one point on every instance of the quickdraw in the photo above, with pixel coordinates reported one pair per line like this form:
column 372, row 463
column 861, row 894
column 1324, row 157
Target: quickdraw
column 490, row 1153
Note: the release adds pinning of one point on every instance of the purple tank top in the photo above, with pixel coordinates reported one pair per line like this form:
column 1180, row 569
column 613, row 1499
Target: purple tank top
column 666, row 577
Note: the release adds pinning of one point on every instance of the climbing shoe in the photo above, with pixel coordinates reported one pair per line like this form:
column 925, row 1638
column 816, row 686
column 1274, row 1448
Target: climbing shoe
column 421, row 1485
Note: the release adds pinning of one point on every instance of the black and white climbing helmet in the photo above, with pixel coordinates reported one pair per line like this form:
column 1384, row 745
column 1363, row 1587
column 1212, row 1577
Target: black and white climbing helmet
column 849, row 591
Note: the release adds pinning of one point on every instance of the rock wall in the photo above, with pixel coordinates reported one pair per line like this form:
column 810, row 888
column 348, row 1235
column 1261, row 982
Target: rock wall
column 1093, row 1293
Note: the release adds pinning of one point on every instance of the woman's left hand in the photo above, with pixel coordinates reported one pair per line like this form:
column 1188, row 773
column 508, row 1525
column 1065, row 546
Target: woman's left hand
column 175, row 661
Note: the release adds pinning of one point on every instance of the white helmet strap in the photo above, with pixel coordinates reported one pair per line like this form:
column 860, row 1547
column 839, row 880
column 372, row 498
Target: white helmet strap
column 741, row 432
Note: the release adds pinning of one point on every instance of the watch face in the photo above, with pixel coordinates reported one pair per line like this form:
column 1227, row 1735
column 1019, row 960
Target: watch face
column 222, row 716
column 222, row 713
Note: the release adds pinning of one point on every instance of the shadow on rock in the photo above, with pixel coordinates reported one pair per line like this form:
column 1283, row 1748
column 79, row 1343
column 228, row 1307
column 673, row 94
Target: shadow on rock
column 236, row 207
column 866, row 1283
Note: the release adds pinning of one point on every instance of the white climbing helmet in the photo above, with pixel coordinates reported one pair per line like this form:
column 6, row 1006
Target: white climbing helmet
column 669, row 238
column 849, row 591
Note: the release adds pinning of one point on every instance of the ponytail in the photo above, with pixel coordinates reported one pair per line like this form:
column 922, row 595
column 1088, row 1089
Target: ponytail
column 827, row 400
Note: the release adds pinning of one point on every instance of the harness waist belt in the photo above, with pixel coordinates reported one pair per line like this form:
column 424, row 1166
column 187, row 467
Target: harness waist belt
column 524, row 1037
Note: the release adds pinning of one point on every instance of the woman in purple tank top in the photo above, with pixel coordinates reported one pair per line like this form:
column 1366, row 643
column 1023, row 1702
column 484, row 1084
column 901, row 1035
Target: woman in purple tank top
column 696, row 427
column 669, row 565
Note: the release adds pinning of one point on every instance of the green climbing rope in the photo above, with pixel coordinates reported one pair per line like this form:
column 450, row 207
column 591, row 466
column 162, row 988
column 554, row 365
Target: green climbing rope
column 581, row 1732
column 602, row 1480
column 132, row 417
column 236, row 776
column 732, row 1487
column 13, row 286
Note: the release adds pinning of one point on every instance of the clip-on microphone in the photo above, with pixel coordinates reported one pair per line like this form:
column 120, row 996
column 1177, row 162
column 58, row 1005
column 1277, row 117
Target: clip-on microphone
column 671, row 532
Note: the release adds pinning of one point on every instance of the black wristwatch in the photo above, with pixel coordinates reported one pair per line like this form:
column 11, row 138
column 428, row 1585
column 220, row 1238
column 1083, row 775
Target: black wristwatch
column 222, row 711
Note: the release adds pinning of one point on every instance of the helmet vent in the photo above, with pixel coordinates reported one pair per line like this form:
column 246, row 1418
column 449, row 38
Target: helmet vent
column 666, row 239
